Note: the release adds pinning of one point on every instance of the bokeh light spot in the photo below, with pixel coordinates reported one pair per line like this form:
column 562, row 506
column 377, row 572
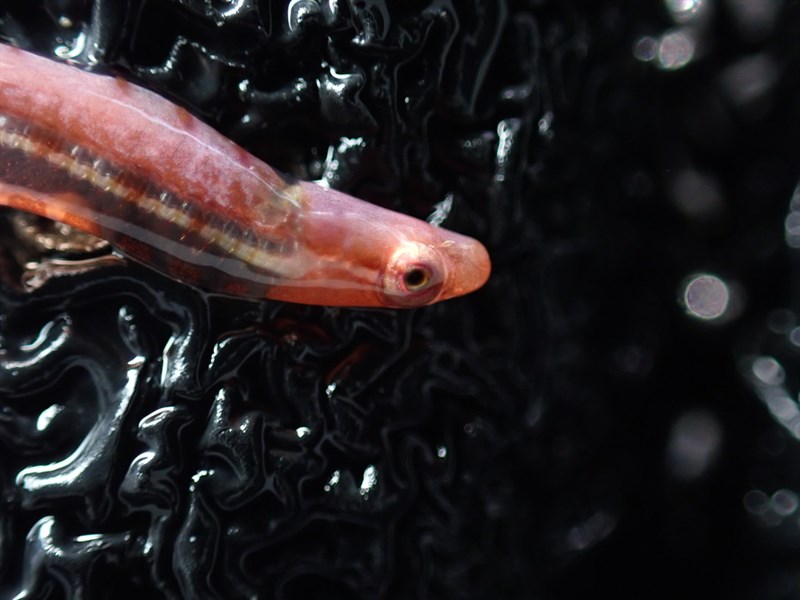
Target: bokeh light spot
column 706, row 297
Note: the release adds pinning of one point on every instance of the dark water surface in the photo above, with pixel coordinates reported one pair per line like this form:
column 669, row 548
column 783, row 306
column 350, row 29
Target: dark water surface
column 614, row 415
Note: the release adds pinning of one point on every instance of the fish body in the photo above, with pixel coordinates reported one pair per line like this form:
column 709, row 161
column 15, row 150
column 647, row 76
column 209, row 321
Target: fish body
column 120, row 162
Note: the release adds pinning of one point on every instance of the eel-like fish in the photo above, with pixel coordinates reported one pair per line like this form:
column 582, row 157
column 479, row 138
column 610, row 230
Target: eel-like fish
column 124, row 164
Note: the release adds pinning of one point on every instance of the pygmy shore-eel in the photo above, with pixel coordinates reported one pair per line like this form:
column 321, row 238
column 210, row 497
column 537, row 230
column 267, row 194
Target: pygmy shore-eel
column 124, row 164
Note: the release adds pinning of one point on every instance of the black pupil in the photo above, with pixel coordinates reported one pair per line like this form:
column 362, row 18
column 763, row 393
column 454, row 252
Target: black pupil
column 416, row 278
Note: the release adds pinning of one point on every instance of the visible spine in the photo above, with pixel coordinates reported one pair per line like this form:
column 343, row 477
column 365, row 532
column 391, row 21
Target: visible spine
column 107, row 191
column 119, row 161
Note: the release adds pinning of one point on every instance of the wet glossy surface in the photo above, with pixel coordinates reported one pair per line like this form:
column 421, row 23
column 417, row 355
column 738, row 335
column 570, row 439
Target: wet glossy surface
column 614, row 415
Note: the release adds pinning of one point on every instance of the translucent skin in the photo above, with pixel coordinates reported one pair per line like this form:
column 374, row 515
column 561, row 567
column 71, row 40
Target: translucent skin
column 362, row 253
column 120, row 162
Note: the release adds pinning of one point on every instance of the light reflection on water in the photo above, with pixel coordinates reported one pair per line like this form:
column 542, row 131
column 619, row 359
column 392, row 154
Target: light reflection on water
column 697, row 195
column 771, row 367
column 767, row 377
column 754, row 18
column 772, row 510
column 769, row 361
column 710, row 298
column 677, row 47
column 694, row 444
column 670, row 51
column 688, row 11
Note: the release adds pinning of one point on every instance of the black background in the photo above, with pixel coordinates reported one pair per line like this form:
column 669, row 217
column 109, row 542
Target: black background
column 568, row 431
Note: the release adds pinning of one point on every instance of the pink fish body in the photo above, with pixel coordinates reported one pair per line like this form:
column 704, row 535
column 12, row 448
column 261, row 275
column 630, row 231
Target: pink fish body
column 122, row 163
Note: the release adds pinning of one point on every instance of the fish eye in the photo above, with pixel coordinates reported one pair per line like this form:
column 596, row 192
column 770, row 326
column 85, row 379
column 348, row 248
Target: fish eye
column 413, row 277
column 416, row 278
